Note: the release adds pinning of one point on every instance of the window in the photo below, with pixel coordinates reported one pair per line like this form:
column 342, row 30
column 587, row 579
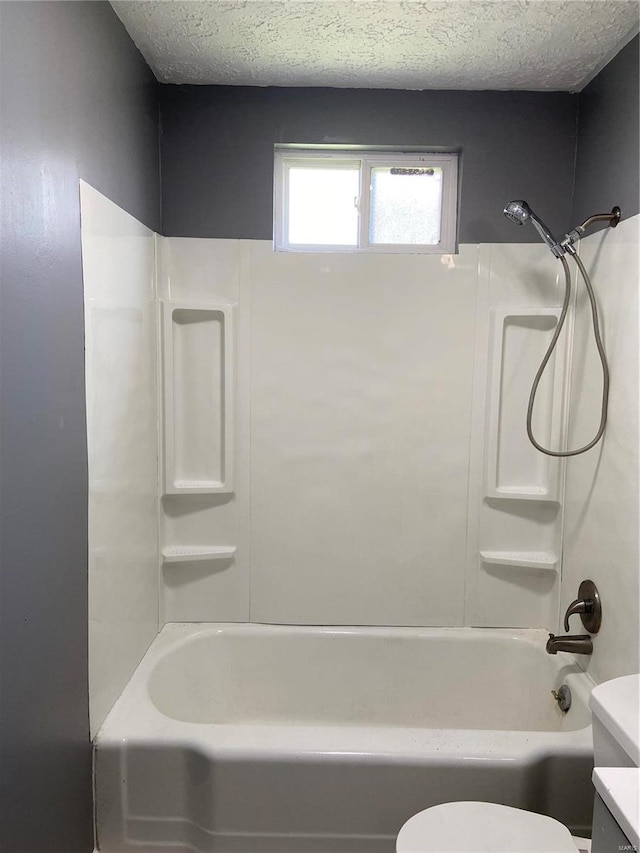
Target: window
column 345, row 201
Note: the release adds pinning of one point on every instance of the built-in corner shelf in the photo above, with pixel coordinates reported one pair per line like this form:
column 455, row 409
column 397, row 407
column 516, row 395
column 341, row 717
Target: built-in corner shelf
column 544, row 560
column 198, row 383
column 197, row 553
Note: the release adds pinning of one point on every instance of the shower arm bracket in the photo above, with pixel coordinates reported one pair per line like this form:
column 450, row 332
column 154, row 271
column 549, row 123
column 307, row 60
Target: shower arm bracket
column 577, row 233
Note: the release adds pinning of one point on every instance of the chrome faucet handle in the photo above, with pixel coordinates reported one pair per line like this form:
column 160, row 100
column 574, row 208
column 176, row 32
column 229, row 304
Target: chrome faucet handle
column 589, row 607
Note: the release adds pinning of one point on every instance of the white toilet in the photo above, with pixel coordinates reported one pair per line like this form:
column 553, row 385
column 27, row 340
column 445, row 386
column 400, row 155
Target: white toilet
column 471, row 827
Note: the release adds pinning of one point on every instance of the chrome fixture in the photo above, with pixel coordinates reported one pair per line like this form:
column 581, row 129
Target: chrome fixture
column 588, row 605
column 579, row 231
column 519, row 212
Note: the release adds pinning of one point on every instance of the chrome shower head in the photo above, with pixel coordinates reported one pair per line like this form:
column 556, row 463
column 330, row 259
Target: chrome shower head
column 519, row 211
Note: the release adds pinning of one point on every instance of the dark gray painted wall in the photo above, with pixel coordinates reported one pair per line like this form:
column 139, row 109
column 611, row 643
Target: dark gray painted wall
column 76, row 100
column 608, row 155
column 217, row 150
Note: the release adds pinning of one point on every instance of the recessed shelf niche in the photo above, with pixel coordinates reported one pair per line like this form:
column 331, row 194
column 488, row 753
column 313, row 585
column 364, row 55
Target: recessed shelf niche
column 515, row 470
column 198, row 344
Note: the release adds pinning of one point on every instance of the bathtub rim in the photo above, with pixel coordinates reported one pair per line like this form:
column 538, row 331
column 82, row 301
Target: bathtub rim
column 135, row 718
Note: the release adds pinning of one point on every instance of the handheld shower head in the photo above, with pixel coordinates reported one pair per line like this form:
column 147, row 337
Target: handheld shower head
column 519, row 211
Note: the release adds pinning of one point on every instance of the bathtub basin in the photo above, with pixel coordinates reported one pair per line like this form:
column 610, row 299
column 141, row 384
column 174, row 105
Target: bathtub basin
column 285, row 739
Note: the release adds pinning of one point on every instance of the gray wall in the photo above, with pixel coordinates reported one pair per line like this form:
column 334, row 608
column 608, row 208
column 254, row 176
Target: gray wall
column 76, row 100
column 608, row 155
column 217, row 150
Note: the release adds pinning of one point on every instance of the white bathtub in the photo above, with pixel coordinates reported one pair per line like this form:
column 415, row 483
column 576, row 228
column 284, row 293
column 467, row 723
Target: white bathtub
column 280, row 739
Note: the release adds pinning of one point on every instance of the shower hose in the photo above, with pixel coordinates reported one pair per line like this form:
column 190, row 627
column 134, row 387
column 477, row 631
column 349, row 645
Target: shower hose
column 547, row 356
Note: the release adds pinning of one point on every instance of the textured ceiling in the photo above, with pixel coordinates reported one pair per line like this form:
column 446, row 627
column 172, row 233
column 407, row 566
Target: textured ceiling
column 445, row 44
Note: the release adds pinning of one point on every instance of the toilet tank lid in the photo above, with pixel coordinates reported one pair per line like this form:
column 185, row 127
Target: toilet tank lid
column 616, row 705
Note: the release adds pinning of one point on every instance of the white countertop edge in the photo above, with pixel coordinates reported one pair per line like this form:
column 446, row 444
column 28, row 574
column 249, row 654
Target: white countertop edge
column 619, row 788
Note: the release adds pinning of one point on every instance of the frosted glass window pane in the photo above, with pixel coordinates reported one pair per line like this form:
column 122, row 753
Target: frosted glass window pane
column 322, row 209
column 406, row 205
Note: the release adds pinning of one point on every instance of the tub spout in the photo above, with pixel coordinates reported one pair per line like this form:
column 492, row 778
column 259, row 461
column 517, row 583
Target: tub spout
column 579, row 644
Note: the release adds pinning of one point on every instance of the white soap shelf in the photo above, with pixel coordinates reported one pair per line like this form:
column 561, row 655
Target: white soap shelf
column 544, row 560
column 196, row 553
column 519, row 493
column 195, row 486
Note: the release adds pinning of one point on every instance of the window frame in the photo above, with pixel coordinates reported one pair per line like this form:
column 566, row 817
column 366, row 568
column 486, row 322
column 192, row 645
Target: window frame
column 318, row 162
column 286, row 157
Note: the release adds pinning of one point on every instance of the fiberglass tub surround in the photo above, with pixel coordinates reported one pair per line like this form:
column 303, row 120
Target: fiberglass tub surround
column 287, row 739
column 318, row 469
column 371, row 485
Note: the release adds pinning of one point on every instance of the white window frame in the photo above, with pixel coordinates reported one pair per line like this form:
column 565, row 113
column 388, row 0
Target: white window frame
column 285, row 158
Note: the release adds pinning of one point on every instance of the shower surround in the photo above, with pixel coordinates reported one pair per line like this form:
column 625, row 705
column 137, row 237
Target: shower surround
column 368, row 489
column 370, row 467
